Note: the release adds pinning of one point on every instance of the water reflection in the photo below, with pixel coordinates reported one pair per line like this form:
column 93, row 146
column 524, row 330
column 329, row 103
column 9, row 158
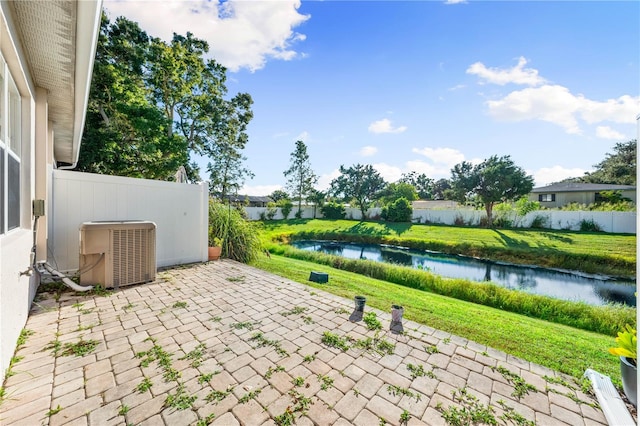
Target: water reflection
column 590, row 289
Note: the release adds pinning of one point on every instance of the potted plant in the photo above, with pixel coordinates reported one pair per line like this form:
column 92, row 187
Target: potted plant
column 215, row 248
column 627, row 341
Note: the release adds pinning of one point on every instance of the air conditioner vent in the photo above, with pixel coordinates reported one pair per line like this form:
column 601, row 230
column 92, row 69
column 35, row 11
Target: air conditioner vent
column 117, row 253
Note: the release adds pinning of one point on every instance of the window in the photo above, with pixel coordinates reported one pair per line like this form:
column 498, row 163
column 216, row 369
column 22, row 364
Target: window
column 547, row 197
column 10, row 151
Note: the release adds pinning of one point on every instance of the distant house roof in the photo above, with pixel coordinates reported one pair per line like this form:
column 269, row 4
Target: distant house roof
column 251, row 198
column 582, row 187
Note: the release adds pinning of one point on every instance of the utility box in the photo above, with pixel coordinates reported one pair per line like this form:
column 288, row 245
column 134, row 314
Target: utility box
column 117, row 253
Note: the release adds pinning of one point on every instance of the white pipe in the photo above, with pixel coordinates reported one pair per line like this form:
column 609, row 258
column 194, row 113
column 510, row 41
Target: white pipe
column 66, row 280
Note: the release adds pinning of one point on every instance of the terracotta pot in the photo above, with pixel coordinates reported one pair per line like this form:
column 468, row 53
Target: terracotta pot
column 214, row 253
column 629, row 380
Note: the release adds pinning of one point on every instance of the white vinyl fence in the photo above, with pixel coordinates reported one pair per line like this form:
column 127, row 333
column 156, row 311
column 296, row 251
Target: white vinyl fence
column 180, row 212
column 616, row 222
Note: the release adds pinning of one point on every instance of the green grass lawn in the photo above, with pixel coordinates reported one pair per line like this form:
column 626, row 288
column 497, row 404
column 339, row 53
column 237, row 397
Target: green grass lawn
column 559, row 347
column 595, row 252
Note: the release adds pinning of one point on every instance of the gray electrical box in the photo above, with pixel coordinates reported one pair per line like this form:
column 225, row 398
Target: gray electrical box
column 38, row 208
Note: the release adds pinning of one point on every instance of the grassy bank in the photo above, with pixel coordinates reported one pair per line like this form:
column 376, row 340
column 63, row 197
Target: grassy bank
column 600, row 319
column 556, row 346
column 609, row 254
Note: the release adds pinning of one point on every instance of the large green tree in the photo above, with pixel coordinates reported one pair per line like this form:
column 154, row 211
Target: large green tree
column 358, row 183
column 494, row 180
column 125, row 132
column 397, row 190
column 300, row 175
column 226, row 171
column 420, row 181
column 153, row 105
column 617, row 168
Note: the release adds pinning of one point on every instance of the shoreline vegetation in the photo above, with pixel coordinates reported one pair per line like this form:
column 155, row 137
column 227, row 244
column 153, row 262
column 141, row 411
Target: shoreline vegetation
column 566, row 336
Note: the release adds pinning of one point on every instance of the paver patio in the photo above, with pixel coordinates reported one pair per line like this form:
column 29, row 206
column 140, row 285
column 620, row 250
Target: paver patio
column 223, row 342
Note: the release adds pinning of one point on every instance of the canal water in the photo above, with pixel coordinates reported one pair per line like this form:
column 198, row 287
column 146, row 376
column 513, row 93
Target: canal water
column 592, row 289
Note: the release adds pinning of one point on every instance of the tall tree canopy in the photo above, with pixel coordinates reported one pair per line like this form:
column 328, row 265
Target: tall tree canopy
column 125, row 133
column 494, row 180
column 153, row 104
column 300, row 175
column 617, row 168
column 397, row 190
column 422, row 184
column 358, row 183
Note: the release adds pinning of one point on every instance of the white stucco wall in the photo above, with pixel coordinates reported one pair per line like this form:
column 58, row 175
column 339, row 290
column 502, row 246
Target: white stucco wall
column 180, row 212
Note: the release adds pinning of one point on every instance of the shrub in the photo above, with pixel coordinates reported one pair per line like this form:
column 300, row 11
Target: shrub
column 333, row 210
column 239, row 237
column 398, row 211
column 589, row 225
column 539, row 222
column 458, row 221
column 285, row 207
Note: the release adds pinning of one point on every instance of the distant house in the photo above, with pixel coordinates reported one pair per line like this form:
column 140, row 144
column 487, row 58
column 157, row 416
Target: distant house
column 249, row 200
column 561, row 194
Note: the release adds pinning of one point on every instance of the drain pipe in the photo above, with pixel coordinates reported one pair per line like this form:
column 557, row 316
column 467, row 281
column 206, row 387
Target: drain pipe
column 72, row 285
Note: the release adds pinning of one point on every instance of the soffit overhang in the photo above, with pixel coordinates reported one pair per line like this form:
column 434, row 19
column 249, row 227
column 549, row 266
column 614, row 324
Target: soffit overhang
column 59, row 41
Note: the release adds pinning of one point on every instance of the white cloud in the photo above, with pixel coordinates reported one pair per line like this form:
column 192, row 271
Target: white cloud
column 384, row 126
column 241, row 34
column 258, row 189
column 388, row 172
column 368, row 151
column 304, row 137
column 556, row 104
column 446, row 156
column 432, row 171
column 324, row 181
column 517, row 74
column 454, row 1
column 456, row 87
column 606, row 132
column 548, row 175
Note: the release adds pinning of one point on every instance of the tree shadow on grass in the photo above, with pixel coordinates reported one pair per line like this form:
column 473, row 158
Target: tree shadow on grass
column 512, row 242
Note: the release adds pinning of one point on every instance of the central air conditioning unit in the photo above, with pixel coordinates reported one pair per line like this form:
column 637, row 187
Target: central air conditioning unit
column 117, row 253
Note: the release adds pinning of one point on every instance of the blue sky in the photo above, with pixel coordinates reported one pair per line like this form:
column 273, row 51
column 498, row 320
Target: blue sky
column 420, row 85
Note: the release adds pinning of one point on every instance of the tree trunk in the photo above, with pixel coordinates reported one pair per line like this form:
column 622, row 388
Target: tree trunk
column 489, row 208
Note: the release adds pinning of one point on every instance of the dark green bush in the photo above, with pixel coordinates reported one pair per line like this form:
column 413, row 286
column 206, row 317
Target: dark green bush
column 398, row 211
column 333, row 210
column 589, row 225
column 285, row 207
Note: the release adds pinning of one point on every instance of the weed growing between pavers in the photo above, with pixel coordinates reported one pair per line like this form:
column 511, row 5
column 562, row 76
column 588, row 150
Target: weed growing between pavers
column 123, row 410
column 249, row 396
column 404, row 417
column 215, row 319
column 270, row 371
column 144, row 385
column 235, row 279
column 180, row 305
column 341, row 311
column 416, row 370
column 248, row 325
column 263, row 341
column 218, row 396
column 300, row 405
column 206, row 420
column 196, row 355
column 298, row 381
column 206, row 378
column 325, row 381
column 372, row 322
column 397, row 390
column 180, row 400
column 307, row 320
column 334, row 341
column 80, row 348
column 128, row 307
column 294, row 311
column 521, row 387
column 309, row 358
column 585, row 386
column 53, row 411
column 433, row 349
column 473, row 412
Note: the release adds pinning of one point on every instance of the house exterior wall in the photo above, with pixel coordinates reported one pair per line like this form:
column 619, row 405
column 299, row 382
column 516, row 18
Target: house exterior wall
column 17, row 290
column 180, row 212
column 580, row 197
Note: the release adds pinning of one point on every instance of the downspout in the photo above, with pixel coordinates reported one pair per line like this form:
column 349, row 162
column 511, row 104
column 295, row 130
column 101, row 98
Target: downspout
column 66, row 279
